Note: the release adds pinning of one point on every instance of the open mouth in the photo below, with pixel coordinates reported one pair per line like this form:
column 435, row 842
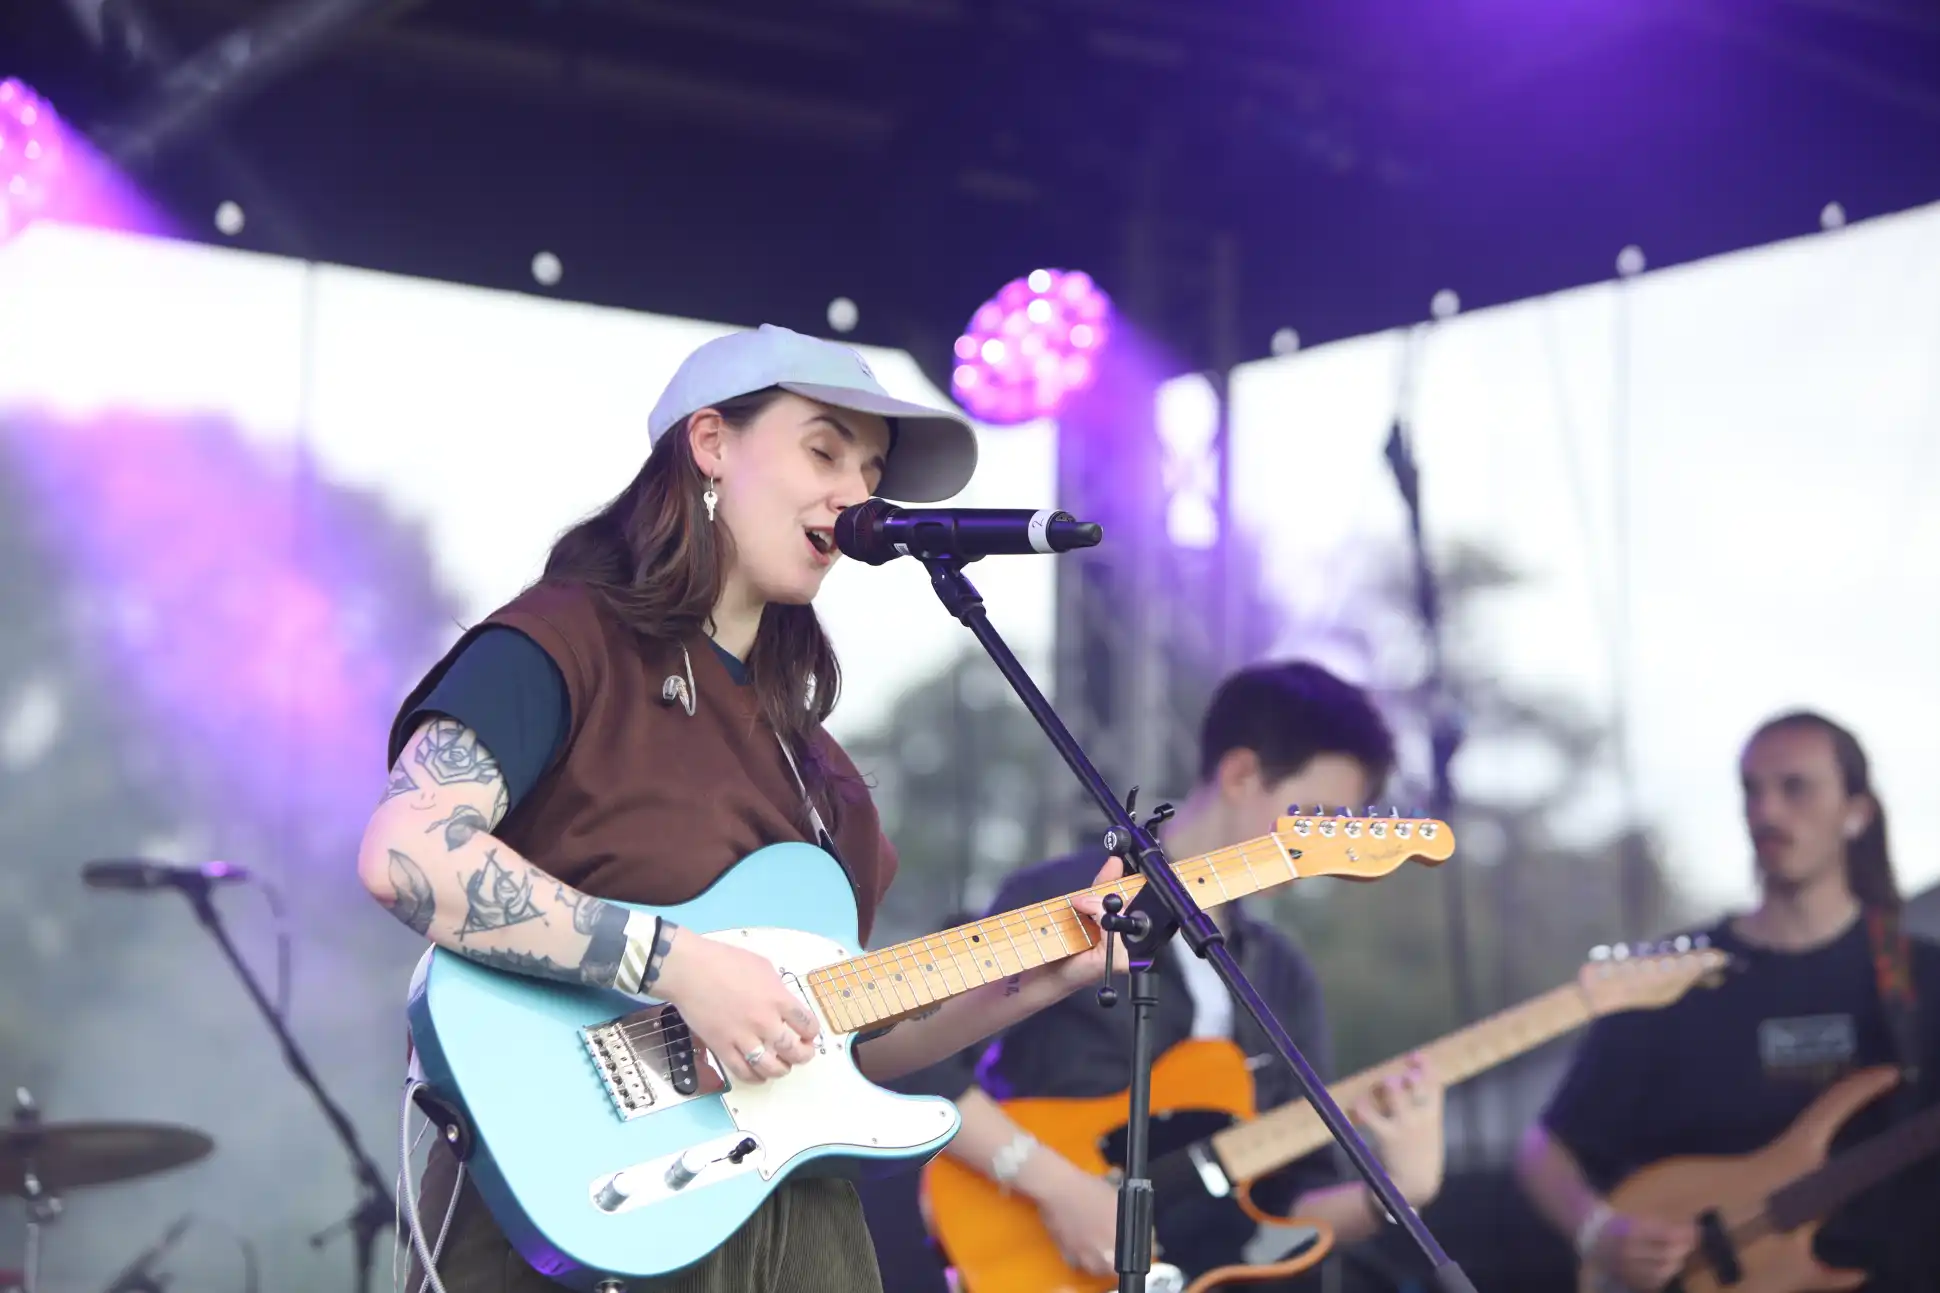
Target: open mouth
column 823, row 541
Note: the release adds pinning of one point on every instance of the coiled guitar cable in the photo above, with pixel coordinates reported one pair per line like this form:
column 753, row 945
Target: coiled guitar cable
column 427, row 1255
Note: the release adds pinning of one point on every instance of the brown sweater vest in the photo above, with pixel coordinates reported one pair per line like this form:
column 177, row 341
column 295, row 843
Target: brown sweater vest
column 646, row 804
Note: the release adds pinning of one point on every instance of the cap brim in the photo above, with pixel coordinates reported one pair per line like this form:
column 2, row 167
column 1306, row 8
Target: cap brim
column 935, row 454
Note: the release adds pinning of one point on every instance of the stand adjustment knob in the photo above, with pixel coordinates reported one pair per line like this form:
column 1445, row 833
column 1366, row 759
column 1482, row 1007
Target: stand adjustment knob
column 1108, row 995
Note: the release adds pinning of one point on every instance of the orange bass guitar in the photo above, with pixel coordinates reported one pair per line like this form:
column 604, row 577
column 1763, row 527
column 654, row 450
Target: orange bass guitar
column 1206, row 1142
column 1758, row 1213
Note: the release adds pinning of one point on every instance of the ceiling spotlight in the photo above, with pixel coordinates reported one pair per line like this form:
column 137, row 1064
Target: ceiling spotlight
column 1833, row 216
column 1446, row 304
column 1630, row 261
column 1031, row 345
column 1285, row 341
column 229, row 219
column 843, row 314
column 30, row 155
column 546, row 268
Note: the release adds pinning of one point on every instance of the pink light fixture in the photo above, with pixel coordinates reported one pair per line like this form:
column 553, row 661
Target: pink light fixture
column 30, row 155
column 1030, row 346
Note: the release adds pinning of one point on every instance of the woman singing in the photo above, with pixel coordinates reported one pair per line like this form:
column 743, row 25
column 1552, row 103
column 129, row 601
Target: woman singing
column 645, row 716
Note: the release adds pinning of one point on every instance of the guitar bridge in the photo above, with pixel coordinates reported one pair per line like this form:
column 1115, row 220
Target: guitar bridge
column 643, row 1059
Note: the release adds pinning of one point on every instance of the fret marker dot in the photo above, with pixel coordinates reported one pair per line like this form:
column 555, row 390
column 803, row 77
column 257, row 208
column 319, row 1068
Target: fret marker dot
column 899, row 978
column 847, row 993
column 872, row 987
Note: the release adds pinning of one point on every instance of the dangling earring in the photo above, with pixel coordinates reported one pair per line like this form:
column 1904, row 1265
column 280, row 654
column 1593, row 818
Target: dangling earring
column 709, row 499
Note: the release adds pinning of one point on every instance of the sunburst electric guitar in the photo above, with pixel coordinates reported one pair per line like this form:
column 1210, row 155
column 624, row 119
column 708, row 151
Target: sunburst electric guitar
column 608, row 1144
column 1757, row 1214
column 1206, row 1142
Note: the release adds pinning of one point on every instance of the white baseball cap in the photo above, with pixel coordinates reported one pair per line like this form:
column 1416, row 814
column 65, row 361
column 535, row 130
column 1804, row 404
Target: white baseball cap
column 933, row 451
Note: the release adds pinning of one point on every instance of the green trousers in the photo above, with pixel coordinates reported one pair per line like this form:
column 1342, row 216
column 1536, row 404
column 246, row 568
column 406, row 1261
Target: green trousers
column 810, row 1237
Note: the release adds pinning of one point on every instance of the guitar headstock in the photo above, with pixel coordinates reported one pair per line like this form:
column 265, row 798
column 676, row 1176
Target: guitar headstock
column 1648, row 976
column 1360, row 848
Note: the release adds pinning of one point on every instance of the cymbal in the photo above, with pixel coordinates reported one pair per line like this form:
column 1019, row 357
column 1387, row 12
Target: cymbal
column 68, row 1156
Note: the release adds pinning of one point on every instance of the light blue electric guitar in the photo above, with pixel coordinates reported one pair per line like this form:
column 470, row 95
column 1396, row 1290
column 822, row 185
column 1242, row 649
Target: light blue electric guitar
column 610, row 1147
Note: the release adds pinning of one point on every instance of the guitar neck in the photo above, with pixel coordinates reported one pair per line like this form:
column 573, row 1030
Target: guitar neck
column 1820, row 1193
column 900, row 980
column 1251, row 1150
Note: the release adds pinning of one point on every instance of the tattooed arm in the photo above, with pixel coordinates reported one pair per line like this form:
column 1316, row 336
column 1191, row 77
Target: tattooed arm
column 429, row 856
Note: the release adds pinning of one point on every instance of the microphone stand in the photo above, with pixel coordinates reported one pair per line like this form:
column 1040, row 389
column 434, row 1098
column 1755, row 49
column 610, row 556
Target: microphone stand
column 1162, row 908
column 374, row 1209
column 138, row 1276
column 1444, row 730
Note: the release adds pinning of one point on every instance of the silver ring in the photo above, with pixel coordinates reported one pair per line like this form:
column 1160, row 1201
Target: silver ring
column 753, row 1057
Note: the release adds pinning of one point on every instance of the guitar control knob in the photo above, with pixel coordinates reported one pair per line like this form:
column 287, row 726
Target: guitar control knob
column 612, row 1194
column 685, row 1169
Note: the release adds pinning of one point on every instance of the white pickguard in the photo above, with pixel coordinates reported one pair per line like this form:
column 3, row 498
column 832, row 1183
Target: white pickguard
column 821, row 1105
column 825, row 1102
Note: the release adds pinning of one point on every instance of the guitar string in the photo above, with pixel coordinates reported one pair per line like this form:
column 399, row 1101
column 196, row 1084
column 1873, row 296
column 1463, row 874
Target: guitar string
column 652, row 1040
column 1351, row 1087
column 957, row 943
column 665, row 1037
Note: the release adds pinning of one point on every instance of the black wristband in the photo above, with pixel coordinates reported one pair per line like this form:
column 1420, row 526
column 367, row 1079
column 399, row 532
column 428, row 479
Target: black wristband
column 663, row 943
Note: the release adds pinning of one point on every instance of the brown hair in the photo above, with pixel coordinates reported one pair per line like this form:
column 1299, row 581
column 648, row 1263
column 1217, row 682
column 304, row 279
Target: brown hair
column 653, row 556
column 1869, row 863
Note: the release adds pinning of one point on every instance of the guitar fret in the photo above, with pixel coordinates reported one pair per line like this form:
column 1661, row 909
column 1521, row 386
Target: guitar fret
column 1247, row 862
column 864, row 990
column 1009, row 938
column 902, row 985
column 1037, row 944
column 1290, row 1132
column 1224, row 893
column 935, row 980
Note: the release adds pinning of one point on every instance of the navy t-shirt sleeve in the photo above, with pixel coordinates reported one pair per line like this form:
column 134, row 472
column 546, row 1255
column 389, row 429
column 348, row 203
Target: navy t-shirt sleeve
column 1598, row 1110
column 505, row 688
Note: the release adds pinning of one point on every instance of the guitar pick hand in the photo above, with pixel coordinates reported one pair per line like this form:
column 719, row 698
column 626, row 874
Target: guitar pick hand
column 738, row 1007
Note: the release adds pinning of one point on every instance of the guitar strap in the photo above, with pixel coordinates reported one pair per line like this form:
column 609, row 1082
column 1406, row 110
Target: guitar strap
column 823, row 839
column 1893, row 972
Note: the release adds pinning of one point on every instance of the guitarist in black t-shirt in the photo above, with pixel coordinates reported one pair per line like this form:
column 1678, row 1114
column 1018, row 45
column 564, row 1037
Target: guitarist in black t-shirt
column 1817, row 995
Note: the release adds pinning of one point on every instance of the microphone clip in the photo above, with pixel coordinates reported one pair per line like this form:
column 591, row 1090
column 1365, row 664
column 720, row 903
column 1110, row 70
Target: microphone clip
column 1117, row 923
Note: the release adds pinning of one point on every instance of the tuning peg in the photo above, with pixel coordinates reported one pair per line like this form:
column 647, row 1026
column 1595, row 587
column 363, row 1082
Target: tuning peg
column 1601, row 952
column 1701, row 942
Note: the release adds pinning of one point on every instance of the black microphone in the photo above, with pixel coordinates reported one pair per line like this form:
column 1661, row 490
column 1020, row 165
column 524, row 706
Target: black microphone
column 135, row 873
column 874, row 532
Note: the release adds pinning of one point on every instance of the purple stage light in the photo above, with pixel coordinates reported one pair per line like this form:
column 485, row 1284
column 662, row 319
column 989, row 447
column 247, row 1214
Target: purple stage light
column 1031, row 345
column 253, row 618
column 30, row 155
